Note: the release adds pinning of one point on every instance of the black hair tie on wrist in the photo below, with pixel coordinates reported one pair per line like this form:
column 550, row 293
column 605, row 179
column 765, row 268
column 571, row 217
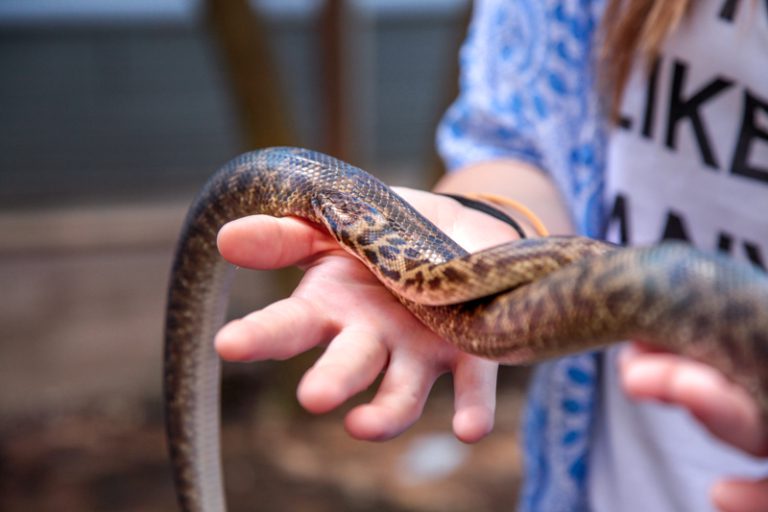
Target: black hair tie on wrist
column 488, row 210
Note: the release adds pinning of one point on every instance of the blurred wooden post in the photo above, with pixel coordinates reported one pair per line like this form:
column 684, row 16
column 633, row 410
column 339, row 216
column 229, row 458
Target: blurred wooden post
column 332, row 83
column 242, row 42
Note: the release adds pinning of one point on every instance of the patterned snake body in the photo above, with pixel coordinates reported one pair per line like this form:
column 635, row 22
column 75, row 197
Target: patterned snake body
column 516, row 303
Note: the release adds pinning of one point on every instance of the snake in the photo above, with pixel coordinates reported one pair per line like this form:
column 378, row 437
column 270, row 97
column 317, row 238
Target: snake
column 516, row 303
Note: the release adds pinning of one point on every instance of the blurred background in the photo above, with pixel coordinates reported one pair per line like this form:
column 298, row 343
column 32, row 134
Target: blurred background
column 112, row 115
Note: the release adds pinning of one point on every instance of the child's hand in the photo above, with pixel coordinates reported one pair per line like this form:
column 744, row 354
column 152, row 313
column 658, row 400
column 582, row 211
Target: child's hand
column 339, row 303
column 724, row 408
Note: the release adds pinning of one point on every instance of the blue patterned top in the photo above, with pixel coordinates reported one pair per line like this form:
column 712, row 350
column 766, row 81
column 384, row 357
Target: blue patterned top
column 528, row 92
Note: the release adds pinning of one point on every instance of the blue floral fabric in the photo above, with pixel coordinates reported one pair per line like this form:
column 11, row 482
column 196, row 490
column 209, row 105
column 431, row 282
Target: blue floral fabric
column 528, row 92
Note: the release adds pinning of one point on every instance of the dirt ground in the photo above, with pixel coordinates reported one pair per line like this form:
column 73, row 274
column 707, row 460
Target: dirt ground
column 276, row 457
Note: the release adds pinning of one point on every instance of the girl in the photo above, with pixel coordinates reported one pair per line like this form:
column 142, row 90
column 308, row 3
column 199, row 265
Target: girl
column 638, row 120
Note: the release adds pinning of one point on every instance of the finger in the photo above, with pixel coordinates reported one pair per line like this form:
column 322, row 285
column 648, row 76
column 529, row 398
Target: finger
column 741, row 495
column 351, row 363
column 475, row 402
column 398, row 402
column 264, row 242
column 279, row 331
column 725, row 409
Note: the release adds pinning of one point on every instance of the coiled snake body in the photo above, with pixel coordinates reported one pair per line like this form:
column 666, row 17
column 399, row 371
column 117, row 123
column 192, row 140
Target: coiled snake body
column 515, row 303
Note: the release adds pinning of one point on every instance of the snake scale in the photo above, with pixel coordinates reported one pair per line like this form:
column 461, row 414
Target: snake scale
column 515, row 303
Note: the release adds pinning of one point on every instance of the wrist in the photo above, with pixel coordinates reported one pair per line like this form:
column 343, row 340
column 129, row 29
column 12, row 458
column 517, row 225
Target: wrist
column 513, row 212
column 517, row 181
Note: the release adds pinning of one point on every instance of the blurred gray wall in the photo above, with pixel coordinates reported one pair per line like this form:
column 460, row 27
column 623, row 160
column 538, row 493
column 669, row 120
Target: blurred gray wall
column 99, row 104
column 113, row 114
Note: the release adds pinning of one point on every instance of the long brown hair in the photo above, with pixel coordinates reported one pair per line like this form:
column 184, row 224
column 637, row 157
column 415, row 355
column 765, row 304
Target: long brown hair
column 632, row 29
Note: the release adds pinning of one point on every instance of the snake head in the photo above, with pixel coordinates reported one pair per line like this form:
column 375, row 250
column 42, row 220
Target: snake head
column 351, row 222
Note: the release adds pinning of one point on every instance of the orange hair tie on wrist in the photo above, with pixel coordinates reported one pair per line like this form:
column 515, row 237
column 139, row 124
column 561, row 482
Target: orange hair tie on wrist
column 533, row 219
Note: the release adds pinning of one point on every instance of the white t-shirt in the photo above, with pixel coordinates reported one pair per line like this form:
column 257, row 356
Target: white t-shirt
column 689, row 162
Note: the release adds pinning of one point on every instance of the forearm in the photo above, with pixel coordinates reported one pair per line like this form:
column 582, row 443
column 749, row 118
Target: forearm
column 516, row 180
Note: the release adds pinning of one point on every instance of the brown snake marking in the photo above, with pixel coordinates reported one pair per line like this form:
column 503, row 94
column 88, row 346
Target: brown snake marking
column 515, row 303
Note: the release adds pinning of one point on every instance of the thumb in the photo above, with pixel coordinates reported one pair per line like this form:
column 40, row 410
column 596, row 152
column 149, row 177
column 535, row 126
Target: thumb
column 263, row 242
column 741, row 495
